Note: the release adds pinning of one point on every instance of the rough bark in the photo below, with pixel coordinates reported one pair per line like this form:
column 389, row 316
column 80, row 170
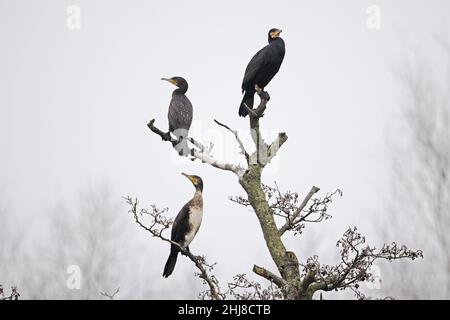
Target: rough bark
column 286, row 261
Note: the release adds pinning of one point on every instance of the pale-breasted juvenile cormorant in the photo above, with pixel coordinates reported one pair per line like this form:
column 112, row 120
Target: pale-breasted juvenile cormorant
column 262, row 68
column 186, row 224
column 180, row 114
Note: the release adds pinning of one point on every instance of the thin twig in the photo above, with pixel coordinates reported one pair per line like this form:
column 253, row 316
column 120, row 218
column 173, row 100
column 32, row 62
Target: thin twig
column 298, row 212
column 110, row 295
column 239, row 141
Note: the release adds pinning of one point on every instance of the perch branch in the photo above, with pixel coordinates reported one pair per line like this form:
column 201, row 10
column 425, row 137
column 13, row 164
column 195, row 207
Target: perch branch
column 200, row 152
column 165, row 136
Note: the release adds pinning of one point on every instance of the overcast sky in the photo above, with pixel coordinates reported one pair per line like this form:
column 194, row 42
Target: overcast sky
column 74, row 106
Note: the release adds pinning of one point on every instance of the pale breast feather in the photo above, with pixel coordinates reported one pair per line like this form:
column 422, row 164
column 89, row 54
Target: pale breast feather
column 195, row 220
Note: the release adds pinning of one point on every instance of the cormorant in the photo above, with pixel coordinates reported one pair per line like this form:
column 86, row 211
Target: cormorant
column 262, row 68
column 186, row 224
column 180, row 114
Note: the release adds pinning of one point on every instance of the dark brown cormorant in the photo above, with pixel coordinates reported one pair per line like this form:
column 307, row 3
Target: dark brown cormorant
column 186, row 224
column 180, row 114
column 262, row 68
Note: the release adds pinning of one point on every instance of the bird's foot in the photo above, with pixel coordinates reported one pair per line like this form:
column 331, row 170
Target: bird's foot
column 186, row 252
column 264, row 95
column 166, row 136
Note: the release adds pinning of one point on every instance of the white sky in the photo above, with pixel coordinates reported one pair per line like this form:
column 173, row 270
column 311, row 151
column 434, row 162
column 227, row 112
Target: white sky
column 74, row 107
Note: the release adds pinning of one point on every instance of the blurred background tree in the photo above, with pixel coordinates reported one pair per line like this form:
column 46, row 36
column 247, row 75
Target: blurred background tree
column 419, row 199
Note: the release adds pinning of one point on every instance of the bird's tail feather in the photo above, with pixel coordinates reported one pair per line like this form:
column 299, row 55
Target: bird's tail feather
column 248, row 100
column 170, row 264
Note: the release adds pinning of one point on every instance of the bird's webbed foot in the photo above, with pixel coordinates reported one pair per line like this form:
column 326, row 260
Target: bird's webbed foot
column 264, row 95
column 186, row 252
column 166, row 136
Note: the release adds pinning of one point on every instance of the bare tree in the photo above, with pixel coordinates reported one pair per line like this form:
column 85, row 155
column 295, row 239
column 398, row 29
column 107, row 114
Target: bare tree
column 420, row 172
column 90, row 237
column 293, row 279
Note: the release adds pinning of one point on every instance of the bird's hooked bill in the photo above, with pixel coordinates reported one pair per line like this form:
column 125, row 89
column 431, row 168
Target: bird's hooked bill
column 186, row 175
column 276, row 33
column 191, row 178
column 169, row 80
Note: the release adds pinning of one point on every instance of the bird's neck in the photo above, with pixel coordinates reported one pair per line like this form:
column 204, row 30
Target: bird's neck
column 198, row 197
column 276, row 40
column 198, row 193
column 180, row 90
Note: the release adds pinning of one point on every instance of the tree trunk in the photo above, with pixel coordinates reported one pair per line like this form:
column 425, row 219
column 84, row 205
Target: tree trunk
column 285, row 261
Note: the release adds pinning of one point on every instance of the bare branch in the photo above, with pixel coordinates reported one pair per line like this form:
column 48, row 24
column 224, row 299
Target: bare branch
column 355, row 267
column 291, row 219
column 240, row 200
column 259, row 111
column 239, row 141
column 165, row 136
column 243, row 289
column 255, row 132
column 14, row 295
column 200, row 146
column 200, row 152
column 275, row 146
column 285, row 205
column 110, row 295
column 269, row 276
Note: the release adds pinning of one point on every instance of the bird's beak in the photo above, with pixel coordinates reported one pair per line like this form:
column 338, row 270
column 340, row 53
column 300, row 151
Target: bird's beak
column 191, row 178
column 276, row 34
column 170, row 80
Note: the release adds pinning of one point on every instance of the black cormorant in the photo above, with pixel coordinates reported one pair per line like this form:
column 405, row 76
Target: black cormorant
column 180, row 114
column 186, row 224
column 262, row 68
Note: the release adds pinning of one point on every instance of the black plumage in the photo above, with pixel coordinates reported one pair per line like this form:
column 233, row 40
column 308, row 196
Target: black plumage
column 262, row 68
column 180, row 114
column 186, row 224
